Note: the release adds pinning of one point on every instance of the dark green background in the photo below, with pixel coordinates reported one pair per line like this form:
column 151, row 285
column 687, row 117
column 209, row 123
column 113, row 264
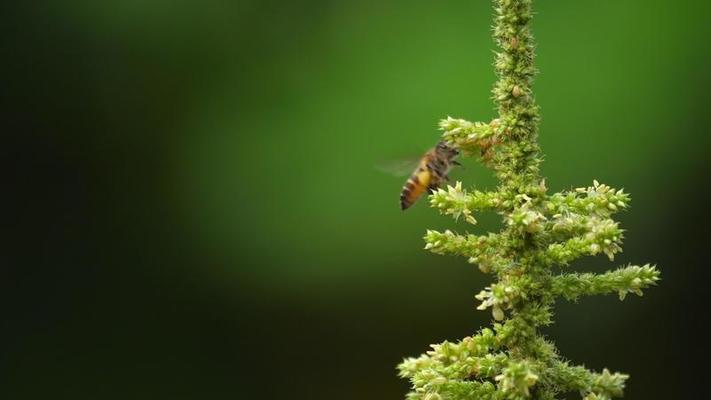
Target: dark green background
column 196, row 213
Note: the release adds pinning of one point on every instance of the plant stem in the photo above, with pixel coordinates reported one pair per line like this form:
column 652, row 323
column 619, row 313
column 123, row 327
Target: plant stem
column 514, row 361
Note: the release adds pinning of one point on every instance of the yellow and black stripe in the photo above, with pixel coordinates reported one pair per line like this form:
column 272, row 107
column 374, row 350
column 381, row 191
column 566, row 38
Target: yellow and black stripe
column 416, row 185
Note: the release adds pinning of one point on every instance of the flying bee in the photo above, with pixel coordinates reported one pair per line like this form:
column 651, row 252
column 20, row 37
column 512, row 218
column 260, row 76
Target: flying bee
column 430, row 173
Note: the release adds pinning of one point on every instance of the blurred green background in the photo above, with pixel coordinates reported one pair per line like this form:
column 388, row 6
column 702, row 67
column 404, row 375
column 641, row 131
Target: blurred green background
column 196, row 213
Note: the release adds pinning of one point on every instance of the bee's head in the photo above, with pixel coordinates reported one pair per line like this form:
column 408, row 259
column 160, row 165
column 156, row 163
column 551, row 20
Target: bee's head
column 445, row 150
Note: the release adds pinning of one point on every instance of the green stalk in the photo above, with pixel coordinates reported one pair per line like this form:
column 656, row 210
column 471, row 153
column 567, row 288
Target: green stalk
column 542, row 234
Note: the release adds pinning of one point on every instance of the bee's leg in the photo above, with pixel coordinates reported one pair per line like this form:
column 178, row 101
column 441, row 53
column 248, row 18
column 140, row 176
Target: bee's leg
column 457, row 163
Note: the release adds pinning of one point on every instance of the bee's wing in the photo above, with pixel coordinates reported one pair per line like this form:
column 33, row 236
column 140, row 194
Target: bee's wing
column 399, row 167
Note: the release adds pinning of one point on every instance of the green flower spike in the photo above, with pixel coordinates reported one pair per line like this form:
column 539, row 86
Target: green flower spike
column 543, row 233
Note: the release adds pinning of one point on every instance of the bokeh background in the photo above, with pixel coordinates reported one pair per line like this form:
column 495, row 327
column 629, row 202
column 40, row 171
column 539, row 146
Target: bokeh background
column 195, row 210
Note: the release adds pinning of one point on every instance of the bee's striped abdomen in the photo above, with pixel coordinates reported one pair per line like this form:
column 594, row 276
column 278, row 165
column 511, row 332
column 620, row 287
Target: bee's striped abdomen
column 418, row 183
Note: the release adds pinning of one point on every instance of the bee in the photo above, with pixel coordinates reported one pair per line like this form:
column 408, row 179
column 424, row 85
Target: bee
column 430, row 173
